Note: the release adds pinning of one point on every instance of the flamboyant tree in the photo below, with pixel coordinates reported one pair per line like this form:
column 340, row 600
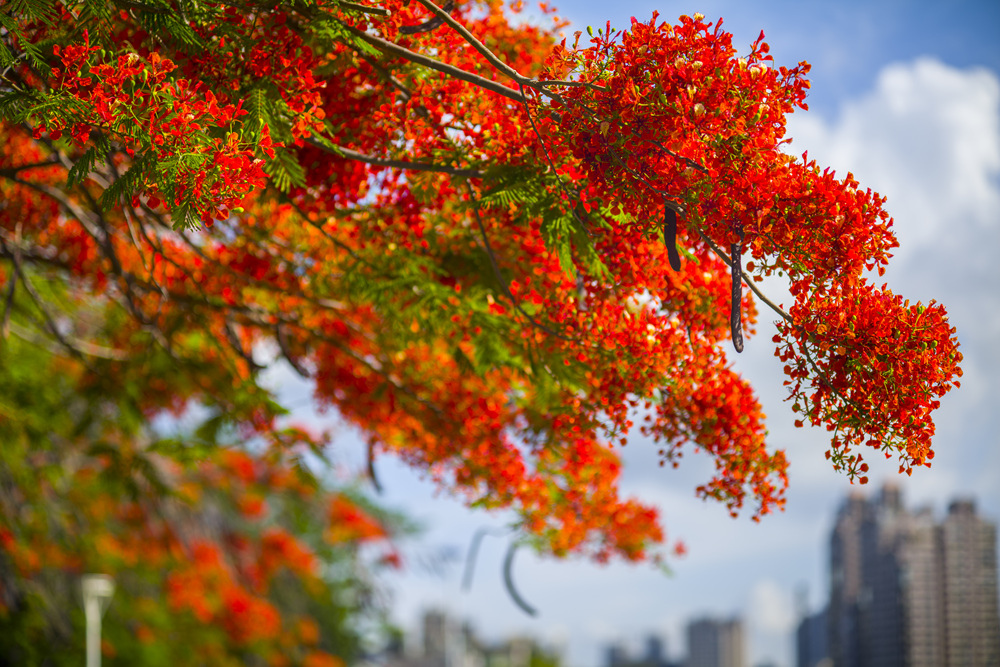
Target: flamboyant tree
column 490, row 249
column 220, row 555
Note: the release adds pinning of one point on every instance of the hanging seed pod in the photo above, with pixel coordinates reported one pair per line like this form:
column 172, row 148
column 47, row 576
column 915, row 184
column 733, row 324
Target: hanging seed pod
column 670, row 237
column 735, row 323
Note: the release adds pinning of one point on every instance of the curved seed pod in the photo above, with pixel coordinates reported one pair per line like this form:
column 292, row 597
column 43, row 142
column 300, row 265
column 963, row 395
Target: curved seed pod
column 508, row 580
column 470, row 558
column 371, row 467
column 735, row 324
column 670, row 237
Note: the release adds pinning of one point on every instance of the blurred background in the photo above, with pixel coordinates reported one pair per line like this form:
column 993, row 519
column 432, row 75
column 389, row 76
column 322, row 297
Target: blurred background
column 906, row 95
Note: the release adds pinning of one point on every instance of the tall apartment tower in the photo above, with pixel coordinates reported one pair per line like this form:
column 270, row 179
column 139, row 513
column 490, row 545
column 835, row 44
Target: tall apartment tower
column 845, row 583
column 921, row 592
column 971, row 617
column 715, row 643
column 907, row 592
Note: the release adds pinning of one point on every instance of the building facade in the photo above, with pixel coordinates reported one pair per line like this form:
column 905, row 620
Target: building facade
column 812, row 645
column 969, row 555
column 906, row 591
column 716, row 643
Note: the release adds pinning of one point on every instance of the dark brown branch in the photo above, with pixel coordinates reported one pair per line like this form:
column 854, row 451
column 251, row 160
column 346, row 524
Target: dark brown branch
column 398, row 164
column 746, row 278
column 389, row 47
column 279, row 335
column 11, row 172
column 365, row 9
column 491, row 57
column 429, row 25
column 494, row 60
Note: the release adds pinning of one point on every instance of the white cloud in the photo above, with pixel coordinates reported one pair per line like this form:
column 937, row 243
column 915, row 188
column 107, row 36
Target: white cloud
column 770, row 608
column 927, row 137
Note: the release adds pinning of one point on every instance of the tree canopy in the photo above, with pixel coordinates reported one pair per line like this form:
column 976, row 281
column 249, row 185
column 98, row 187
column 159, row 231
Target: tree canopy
column 490, row 248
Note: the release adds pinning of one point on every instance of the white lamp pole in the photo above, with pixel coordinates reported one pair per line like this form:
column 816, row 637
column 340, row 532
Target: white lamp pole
column 97, row 592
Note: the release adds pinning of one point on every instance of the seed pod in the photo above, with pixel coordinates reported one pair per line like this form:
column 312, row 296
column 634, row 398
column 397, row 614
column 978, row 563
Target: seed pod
column 735, row 323
column 670, row 237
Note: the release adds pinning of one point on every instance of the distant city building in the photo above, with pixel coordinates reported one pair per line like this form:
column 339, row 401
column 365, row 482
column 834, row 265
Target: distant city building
column 615, row 655
column 812, row 647
column 972, row 629
column 907, row 592
column 654, row 655
column 447, row 643
column 845, row 582
column 716, row 643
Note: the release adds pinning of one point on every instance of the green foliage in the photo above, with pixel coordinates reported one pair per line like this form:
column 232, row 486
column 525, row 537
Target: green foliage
column 285, row 170
column 71, row 444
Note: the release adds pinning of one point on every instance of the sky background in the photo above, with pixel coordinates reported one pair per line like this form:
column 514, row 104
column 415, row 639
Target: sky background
column 907, row 96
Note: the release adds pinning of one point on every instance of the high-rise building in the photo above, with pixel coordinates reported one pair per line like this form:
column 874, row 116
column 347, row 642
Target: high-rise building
column 846, row 583
column 906, row 592
column 716, row 643
column 968, row 545
column 654, row 654
column 811, row 641
column 921, row 592
column 880, row 611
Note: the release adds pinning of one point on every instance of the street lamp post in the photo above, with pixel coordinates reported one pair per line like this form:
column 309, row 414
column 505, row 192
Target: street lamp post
column 97, row 592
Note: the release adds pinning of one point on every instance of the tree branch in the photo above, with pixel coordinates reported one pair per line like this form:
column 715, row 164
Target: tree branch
column 365, row 9
column 395, row 49
column 491, row 57
column 496, row 272
column 398, row 164
column 747, row 278
column 427, row 26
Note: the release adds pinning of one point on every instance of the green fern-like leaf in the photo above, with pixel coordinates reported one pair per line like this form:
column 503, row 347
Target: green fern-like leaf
column 163, row 21
column 183, row 217
column 127, row 184
column 6, row 57
column 29, row 10
column 255, row 120
column 17, row 105
column 82, row 168
column 285, row 171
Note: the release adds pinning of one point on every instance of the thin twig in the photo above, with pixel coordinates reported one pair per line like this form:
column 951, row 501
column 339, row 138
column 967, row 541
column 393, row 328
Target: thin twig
column 429, row 25
column 398, row 164
column 89, row 349
column 365, row 9
column 555, row 172
column 746, row 278
column 496, row 271
column 397, row 50
column 491, row 57
column 50, row 324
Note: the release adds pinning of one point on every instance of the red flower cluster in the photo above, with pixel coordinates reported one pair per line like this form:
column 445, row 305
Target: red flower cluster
column 490, row 271
column 191, row 140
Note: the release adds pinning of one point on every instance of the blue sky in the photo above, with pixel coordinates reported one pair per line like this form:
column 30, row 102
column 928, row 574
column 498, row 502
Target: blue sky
column 907, row 96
